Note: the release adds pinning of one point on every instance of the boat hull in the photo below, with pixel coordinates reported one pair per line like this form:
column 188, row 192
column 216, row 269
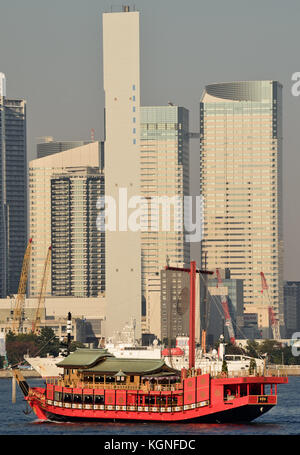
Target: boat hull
column 242, row 414
column 228, row 413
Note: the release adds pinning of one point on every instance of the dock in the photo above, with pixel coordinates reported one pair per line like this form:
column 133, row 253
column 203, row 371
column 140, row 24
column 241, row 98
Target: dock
column 284, row 370
column 4, row 374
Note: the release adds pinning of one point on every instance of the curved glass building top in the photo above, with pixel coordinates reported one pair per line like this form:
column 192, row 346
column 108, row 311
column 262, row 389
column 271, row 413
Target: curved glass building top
column 243, row 90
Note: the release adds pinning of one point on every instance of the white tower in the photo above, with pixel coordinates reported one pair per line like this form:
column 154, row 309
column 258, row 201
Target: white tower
column 2, row 84
column 121, row 64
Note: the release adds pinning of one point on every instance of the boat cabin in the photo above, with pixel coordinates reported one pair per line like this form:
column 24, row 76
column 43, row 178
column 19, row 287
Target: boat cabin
column 94, row 368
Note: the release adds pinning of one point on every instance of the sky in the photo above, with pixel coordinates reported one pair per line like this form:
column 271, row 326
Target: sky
column 51, row 53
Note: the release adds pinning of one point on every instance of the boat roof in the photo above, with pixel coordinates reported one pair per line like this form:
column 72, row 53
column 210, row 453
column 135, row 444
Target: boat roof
column 102, row 362
column 113, row 365
column 84, row 358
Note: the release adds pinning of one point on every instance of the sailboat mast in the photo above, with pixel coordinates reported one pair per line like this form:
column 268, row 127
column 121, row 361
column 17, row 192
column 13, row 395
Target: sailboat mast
column 192, row 346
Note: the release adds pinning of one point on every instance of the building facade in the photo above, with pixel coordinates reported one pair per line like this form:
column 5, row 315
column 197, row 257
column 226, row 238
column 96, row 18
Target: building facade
column 164, row 175
column 292, row 307
column 121, row 68
column 78, row 247
column 40, row 173
column 13, row 191
column 49, row 146
column 241, row 183
column 175, row 306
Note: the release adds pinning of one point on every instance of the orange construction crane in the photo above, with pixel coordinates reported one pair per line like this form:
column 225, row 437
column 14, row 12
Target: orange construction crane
column 272, row 316
column 19, row 306
column 227, row 316
column 41, row 300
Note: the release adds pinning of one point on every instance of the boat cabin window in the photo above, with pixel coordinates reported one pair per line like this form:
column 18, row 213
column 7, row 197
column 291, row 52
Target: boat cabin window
column 131, row 378
column 149, row 400
column 255, row 389
column 77, row 399
column 88, row 399
column 161, row 401
column 99, row 399
column 67, row 398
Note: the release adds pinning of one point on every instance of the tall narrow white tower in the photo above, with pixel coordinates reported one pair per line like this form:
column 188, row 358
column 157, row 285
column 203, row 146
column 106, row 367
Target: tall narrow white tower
column 2, row 84
column 121, row 63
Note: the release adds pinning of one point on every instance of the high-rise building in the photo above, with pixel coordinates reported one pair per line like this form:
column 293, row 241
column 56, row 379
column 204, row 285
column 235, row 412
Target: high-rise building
column 175, row 305
column 241, row 182
column 292, row 307
column 78, row 247
column 121, row 67
column 49, row 147
column 164, row 174
column 2, row 84
column 41, row 171
column 233, row 290
column 13, row 190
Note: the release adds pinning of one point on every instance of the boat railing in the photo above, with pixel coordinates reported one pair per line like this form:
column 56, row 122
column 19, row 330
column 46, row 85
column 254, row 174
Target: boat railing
column 245, row 373
column 269, row 372
column 90, row 385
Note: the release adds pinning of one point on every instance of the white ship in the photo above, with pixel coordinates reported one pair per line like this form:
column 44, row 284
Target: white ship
column 177, row 358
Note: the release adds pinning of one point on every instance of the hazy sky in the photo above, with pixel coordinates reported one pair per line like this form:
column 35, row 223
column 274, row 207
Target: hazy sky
column 50, row 52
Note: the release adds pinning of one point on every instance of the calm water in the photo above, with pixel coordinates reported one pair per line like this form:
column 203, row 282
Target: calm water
column 283, row 419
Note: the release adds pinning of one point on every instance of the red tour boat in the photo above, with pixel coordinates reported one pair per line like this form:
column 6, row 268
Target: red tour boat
column 95, row 385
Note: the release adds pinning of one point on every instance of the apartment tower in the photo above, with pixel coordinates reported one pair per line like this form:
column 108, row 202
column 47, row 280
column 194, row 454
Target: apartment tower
column 78, row 247
column 41, row 171
column 241, row 183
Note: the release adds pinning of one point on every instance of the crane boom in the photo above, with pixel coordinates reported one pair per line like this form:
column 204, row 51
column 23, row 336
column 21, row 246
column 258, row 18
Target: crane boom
column 272, row 316
column 227, row 316
column 41, row 299
column 19, row 306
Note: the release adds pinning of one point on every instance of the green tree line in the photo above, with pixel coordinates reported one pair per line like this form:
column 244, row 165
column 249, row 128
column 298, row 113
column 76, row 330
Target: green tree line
column 18, row 345
column 274, row 351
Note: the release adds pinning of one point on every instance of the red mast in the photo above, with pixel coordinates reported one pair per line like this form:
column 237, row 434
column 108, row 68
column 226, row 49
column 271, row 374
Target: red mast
column 192, row 346
column 192, row 272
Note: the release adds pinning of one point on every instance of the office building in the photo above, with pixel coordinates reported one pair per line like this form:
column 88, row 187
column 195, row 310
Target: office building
column 41, row 171
column 233, row 289
column 78, row 246
column 292, row 307
column 164, row 174
column 121, row 67
column 48, row 146
column 263, row 319
column 13, row 190
column 175, row 306
column 241, row 183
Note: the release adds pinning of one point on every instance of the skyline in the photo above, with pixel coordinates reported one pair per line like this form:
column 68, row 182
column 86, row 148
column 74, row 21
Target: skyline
column 164, row 70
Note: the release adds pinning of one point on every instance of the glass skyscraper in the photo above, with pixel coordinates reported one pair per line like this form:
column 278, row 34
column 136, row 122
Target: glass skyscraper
column 241, row 182
column 13, row 191
column 164, row 173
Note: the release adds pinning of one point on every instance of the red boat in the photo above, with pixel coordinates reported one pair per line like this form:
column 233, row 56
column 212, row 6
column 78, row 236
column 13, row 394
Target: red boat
column 95, row 386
